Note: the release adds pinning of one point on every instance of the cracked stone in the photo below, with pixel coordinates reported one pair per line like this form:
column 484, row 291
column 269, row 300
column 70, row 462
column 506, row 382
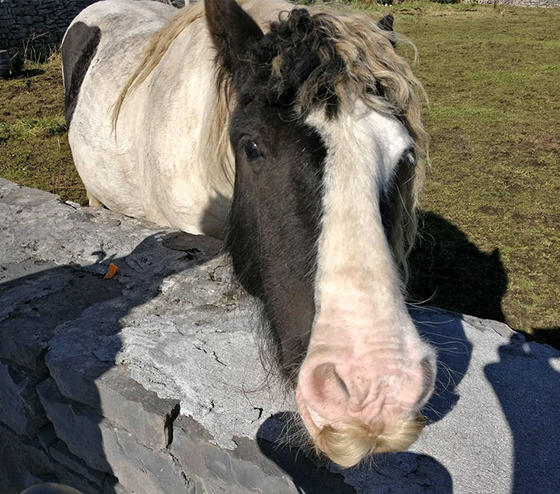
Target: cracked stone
column 106, row 448
column 19, row 405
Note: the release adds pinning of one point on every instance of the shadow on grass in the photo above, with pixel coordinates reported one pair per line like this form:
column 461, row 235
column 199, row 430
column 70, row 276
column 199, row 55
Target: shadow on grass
column 450, row 272
column 549, row 336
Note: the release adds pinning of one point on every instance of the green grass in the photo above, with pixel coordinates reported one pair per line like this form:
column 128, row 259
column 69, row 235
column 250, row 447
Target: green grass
column 494, row 120
column 34, row 147
column 491, row 241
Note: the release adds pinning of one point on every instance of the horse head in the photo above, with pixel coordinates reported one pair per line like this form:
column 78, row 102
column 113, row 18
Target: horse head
column 328, row 148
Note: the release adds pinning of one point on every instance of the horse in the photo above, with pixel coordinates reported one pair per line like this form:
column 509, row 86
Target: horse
column 295, row 134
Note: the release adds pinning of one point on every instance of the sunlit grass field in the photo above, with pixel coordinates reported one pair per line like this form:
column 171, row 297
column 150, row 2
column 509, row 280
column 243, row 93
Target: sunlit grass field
column 491, row 238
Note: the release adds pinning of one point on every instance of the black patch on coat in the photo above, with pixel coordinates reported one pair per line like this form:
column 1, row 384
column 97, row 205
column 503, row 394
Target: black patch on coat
column 386, row 22
column 274, row 222
column 78, row 49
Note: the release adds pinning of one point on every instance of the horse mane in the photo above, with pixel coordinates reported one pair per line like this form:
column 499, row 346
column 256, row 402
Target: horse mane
column 371, row 71
column 156, row 48
column 214, row 138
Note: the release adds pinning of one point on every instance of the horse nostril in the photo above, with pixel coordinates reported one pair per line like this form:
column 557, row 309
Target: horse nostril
column 341, row 383
column 327, row 385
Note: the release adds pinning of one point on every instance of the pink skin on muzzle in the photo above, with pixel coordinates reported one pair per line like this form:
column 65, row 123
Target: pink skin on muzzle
column 372, row 374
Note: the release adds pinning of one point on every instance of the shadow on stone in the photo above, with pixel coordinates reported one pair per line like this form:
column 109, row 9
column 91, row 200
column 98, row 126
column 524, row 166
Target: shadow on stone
column 396, row 472
column 454, row 355
column 311, row 477
column 463, row 279
column 450, row 272
column 532, row 415
column 45, row 307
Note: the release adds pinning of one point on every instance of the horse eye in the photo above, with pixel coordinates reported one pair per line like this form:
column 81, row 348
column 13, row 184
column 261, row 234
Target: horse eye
column 252, row 151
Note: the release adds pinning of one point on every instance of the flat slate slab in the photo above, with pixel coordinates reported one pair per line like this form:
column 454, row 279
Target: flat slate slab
column 153, row 381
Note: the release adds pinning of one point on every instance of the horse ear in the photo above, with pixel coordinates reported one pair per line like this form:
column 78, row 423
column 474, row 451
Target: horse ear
column 233, row 31
column 386, row 23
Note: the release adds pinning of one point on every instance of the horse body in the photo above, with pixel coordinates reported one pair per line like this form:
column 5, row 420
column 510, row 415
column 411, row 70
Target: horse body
column 156, row 165
column 297, row 132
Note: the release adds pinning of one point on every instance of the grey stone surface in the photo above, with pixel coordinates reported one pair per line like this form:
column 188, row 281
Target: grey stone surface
column 106, row 448
column 19, row 407
column 47, row 435
column 60, row 453
column 22, row 461
column 79, row 427
column 119, row 398
column 152, row 381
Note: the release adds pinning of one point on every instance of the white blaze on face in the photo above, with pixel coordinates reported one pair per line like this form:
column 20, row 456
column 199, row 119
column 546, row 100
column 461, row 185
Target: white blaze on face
column 354, row 257
column 364, row 356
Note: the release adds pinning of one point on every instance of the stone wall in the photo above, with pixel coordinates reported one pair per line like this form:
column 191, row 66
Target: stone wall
column 68, row 412
column 34, row 28
column 151, row 381
column 523, row 3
